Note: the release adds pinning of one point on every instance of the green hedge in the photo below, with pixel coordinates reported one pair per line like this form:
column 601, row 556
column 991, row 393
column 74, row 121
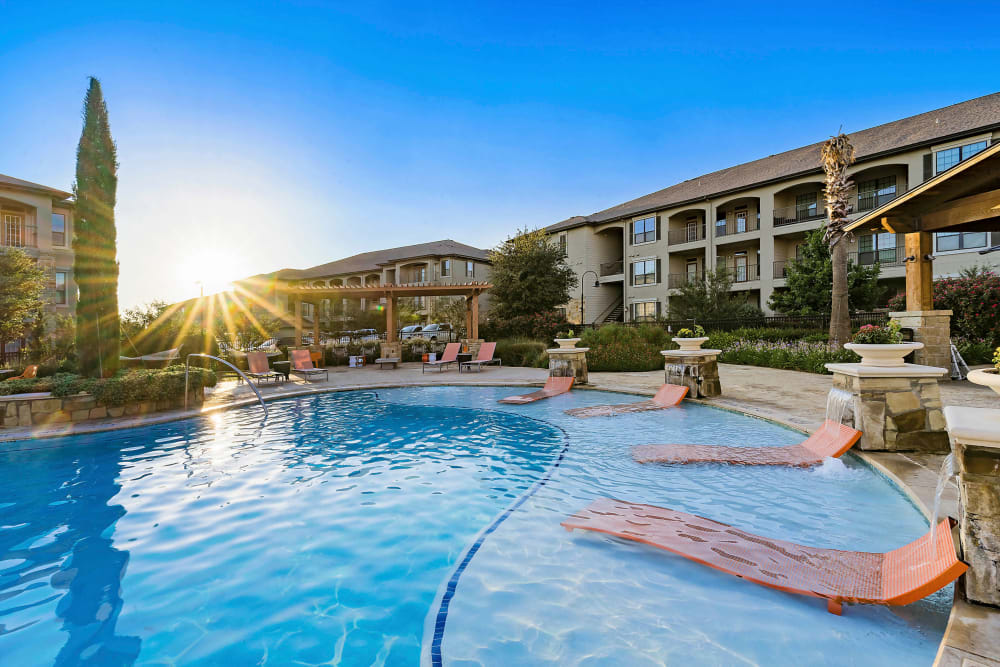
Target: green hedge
column 522, row 352
column 127, row 386
column 614, row 347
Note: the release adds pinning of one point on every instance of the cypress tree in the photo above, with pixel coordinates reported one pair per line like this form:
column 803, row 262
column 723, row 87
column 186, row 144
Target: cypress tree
column 95, row 265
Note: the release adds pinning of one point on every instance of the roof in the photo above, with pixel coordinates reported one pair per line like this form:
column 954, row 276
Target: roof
column 981, row 113
column 374, row 260
column 10, row 181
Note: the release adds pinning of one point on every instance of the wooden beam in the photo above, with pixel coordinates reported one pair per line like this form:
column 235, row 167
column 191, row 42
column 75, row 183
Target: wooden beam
column 468, row 317
column 919, row 272
column 298, row 321
column 316, row 323
column 390, row 319
column 898, row 225
column 960, row 211
column 475, row 315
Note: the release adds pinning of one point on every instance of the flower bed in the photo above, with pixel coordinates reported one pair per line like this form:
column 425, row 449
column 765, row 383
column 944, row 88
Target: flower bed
column 800, row 355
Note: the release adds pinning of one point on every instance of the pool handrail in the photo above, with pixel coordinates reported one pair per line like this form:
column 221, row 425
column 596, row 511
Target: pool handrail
column 187, row 368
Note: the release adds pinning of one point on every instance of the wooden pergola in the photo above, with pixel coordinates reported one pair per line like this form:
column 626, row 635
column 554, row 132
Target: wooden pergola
column 966, row 198
column 314, row 293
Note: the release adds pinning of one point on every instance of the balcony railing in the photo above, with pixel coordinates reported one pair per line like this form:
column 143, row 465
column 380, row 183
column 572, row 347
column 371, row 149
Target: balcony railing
column 887, row 257
column 872, row 200
column 733, row 224
column 741, row 273
column 687, row 235
column 677, row 280
column 780, row 268
column 790, row 215
column 15, row 233
column 613, row 268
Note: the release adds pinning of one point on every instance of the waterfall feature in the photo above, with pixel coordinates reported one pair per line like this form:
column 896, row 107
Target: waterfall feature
column 947, row 470
column 838, row 405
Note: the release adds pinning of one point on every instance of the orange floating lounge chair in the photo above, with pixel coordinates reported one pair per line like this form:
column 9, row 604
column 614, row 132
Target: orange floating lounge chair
column 29, row 373
column 898, row 577
column 668, row 396
column 832, row 439
column 553, row 387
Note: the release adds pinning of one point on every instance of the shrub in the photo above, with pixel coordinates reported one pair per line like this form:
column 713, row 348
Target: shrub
column 876, row 334
column 125, row 387
column 973, row 298
column 540, row 326
column 792, row 355
column 975, row 351
column 522, row 352
column 615, row 347
column 697, row 331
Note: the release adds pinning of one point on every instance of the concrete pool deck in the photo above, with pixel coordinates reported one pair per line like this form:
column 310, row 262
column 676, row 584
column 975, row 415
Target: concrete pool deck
column 789, row 397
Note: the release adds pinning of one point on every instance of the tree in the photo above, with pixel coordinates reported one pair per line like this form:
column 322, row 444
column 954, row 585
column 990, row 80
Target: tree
column 530, row 276
column 809, row 276
column 711, row 299
column 21, row 284
column 837, row 155
column 95, row 266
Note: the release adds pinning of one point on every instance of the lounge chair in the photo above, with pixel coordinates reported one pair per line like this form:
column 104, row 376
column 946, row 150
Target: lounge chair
column 898, row 577
column 484, row 358
column 668, row 396
column 260, row 369
column 449, row 357
column 302, row 365
column 29, row 373
column 553, row 387
column 832, row 439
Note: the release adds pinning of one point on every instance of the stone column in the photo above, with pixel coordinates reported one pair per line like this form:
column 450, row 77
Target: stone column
column 897, row 408
column 975, row 439
column 933, row 329
column 698, row 370
column 569, row 362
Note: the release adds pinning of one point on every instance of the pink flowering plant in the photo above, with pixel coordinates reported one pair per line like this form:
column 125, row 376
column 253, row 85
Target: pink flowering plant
column 973, row 298
column 875, row 334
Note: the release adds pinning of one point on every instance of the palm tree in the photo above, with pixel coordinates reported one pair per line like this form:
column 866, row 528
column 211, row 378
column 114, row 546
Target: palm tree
column 838, row 155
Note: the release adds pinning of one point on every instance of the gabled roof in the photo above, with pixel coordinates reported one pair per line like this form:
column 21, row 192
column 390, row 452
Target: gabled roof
column 982, row 113
column 17, row 183
column 376, row 259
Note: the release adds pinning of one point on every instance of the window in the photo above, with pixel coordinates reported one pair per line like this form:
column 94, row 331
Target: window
column 644, row 231
column 960, row 240
column 877, row 248
column 644, row 272
column 563, row 243
column 692, row 229
column 692, row 270
column 949, row 157
column 61, row 288
column 874, row 193
column 58, row 229
column 470, row 269
column 741, row 220
column 445, row 268
column 806, row 206
column 645, row 310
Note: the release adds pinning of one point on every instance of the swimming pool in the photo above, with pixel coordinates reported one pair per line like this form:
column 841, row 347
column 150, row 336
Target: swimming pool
column 364, row 528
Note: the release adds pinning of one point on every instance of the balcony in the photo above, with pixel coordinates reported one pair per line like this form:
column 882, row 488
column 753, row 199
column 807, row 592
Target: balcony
column 678, row 280
column 887, row 257
column 687, row 235
column 869, row 201
column 790, row 215
column 612, row 268
column 733, row 224
column 15, row 233
column 742, row 273
column 780, row 268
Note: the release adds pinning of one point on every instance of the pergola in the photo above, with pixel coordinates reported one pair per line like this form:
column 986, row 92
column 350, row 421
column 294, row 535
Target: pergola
column 314, row 293
column 966, row 198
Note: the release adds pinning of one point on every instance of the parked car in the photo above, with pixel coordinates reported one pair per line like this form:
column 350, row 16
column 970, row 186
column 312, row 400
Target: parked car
column 439, row 332
column 412, row 331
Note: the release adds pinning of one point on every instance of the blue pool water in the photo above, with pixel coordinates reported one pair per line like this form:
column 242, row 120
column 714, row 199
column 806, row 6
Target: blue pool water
column 330, row 537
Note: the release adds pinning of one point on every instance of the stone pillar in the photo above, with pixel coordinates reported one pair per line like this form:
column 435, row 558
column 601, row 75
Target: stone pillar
column 569, row 362
column 975, row 439
column 698, row 370
column 896, row 409
column 933, row 329
column 391, row 349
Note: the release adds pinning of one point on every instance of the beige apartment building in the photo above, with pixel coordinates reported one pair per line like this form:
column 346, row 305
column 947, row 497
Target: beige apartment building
column 444, row 262
column 752, row 218
column 39, row 220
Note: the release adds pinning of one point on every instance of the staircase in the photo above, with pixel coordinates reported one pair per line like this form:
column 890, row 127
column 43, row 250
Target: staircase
column 613, row 313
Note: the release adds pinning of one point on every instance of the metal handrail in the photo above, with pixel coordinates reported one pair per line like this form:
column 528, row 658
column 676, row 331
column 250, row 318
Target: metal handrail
column 187, row 368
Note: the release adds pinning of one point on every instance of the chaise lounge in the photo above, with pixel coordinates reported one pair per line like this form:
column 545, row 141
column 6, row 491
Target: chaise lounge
column 260, row 369
column 302, row 364
column 449, row 357
column 484, row 358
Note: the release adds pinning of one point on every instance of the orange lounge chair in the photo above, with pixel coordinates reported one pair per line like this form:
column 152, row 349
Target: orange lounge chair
column 302, row 364
column 449, row 357
column 668, row 396
column 484, row 358
column 260, row 369
column 898, row 577
column 553, row 387
column 832, row 439
column 29, row 373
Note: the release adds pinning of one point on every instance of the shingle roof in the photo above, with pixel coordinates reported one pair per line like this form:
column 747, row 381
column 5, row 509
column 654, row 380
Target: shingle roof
column 982, row 113
column 372, row 261
column 28, row 185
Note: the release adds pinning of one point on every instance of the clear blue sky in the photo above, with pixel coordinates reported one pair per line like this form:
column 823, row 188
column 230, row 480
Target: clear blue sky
column 259, row 136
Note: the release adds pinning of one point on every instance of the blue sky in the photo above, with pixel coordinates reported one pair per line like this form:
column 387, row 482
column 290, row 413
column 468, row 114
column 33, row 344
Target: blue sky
column 256, row 136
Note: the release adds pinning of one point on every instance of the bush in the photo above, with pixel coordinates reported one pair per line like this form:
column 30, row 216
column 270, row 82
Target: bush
column 614, row 347
column 876, row 334
column 975, row 351
column 540, row 326
column 522, row 352
column 125, row 387
column 792, row 355
column 974, row 299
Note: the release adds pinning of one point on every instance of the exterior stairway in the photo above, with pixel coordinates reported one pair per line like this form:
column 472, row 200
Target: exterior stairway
column 614, row 314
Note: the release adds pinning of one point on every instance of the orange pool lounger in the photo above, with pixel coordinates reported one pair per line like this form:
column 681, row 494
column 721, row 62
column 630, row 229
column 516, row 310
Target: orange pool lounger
column 668, row 396
column 898, row 577
column 553, row 387
column 832, row 439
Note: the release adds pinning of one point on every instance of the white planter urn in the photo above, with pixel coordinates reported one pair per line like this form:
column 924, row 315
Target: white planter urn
column 888, row 355
column 988, row 377
column 690, row 344
column 567, row 343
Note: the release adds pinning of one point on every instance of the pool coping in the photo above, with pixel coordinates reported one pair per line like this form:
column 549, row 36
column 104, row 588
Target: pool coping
column 967, row 627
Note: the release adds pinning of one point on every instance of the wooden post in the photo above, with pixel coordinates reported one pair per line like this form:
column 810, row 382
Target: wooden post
column 316, row 323
column 390, row 319
column 475, row 316
column 919, row 272
column 468, row 317
column 298, row 321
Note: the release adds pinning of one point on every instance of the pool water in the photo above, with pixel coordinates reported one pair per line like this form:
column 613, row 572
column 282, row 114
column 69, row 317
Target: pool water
column 330, row 536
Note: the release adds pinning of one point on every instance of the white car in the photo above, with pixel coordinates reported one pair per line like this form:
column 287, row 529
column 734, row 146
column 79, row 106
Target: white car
column 412, row 331
column 438, row 332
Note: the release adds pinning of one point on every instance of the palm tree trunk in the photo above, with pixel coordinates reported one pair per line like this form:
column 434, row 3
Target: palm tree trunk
column 840, row 317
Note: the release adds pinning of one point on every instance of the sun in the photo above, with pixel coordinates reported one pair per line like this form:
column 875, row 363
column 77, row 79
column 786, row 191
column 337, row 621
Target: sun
column 208, row 273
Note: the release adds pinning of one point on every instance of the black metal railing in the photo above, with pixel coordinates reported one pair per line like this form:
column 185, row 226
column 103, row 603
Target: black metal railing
column 741, row 273
column 677, row 280
column 613, row 268
column 736, row 224
column 687, row 235
column 886, row 257
column 790, row 215
column 781, row 268
column 805, row 322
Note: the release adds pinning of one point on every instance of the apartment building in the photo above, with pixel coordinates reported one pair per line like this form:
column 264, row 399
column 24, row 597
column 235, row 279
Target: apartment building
column 752, row 219
column 39, row 220
column 444, row 262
